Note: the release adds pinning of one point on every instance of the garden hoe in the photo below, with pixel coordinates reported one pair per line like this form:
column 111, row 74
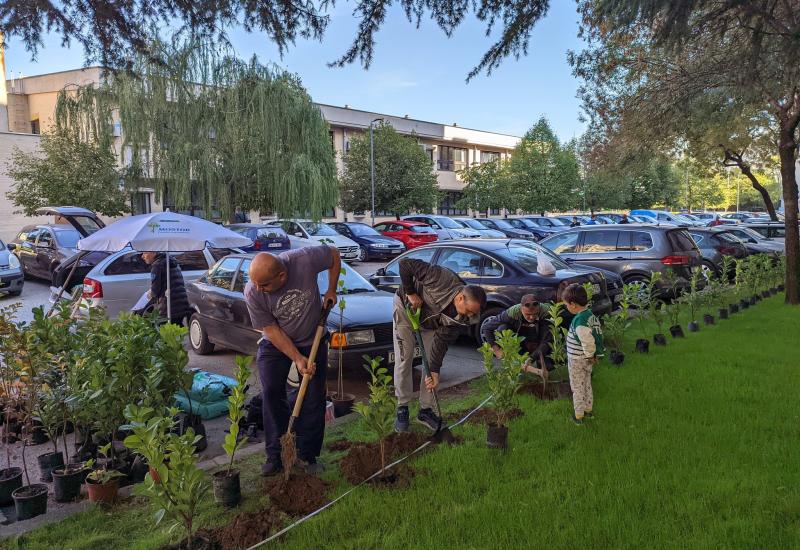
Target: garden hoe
column 442, row 433
column 288, row 447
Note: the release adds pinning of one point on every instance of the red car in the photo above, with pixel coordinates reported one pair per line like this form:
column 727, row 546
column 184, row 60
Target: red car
column 412, row 234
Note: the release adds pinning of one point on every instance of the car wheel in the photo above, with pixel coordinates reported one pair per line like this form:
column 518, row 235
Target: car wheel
column 637, row 279
column 491, row 311
column 363, row 255
column 198, row 337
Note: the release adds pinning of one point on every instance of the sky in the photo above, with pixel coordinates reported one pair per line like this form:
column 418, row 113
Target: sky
column 415, row 72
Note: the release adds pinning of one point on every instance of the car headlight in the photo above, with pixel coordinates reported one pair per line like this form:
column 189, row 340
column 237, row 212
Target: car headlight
column 354, row 338
column 13, row 261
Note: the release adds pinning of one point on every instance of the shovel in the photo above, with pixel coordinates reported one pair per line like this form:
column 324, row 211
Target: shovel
column 442, row 433
column 288, row 447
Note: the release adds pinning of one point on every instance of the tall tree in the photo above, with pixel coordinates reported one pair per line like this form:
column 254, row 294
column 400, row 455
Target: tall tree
column 205, row 126
column 404, row 177
column 67, row 170
column 543, row 173
column 488, row 186
column 651, row 65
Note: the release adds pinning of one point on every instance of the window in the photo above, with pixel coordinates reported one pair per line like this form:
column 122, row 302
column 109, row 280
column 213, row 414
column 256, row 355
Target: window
column 380, row 227
column 128, row 264
column 777, row 232
column 219, row 253
column 463, row 263
column 698, row 238
column 489, row 156
column 35, row 129
column 425, row 229
column 599, row 241
column 140, row 203
column 45, row 239
column 448, row 205
column 641, row 241
column 452, row 159
column 68, row 239
column 31, row 237
column 192, row 261
column 492, row 268
column 222, row 275
column 424, row 254
column 293, row 229
column 681, row 240
column 494, row 211
column 565, row 243
column 242, row 277
column 527, row 257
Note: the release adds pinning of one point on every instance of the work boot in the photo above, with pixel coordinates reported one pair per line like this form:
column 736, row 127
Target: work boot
column 401, row 423
column 270, row 468
column 428, row 418
column 313, row 468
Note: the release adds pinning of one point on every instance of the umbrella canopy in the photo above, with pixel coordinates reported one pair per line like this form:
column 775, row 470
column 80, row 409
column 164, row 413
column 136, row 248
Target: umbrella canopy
column 162, row 232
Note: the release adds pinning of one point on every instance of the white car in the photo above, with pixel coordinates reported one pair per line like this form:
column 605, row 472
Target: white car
column 320, row 232
column 446, row 228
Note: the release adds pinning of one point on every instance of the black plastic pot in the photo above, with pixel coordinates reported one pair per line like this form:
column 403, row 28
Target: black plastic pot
column 344, row 405
column 642, row 346
column 660, row 340
column 67, row 482
column 616, row 357
column 30, row 501
column 227, row 490
column 693, row 326
column 38, row 435
column 708, row 319
column 10, row 481
column 49, row 462
column 138, row 470
column 753, row 300
column 676, row 331
column 733, row 308
column 781, row 288
column 744, row 304
column 723, row 313
column 496, row 436
column 194, row 421
column 766, row 294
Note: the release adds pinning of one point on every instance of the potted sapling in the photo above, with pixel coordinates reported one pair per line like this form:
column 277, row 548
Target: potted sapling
column 378, row 414
column 741, row 282
column 728, row 276
column 558, row 345
column 227, row 490
column 503, row 381
column 708, row 299
column 342, row 402
column 102, row 484
column 673, row 315
column 614, row 327
column 659, row 314
column 692, row 299
column 10, row 476
column 635, row 294
column 67, row 480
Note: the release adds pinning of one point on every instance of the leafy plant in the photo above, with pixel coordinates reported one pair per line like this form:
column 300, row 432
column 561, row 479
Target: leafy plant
column 674, row 312
column 378, row 413
column 558, row 347
column 692, row 298
column 614, row 327
column 589, row 288
column 659, row 313
column 504, row 379
column 103, row 474
column 236, row 402
column 342, row 305
column 174, row 484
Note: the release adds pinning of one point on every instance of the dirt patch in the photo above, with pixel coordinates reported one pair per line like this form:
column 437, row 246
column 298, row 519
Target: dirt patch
column 339, row 445
column 301, row 495
column 364, row 459
column 398, row 477
column 481, row 416
column 553, row 390
column 248, row 529
column 202, row 540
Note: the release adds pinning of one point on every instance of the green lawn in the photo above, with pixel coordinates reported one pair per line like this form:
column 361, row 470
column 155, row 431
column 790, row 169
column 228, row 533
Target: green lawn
column 693, row 446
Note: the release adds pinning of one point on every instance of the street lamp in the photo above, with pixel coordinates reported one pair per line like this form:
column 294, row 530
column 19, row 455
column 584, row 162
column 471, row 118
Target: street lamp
column 372, row 165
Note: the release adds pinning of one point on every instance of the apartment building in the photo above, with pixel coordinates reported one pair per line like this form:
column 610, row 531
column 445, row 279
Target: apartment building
column 27, row 108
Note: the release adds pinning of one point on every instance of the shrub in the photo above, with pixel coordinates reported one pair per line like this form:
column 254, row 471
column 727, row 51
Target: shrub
column 504, row 380
column 378, row 413
column 236, row 402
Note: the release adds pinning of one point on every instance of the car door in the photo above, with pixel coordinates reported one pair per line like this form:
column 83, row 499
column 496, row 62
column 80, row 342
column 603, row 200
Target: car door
column 26, row 251
column 124, row 280
column 216, row 298
column 388, row 278
column 601, row 249
column 243, row 337
column 46, row 253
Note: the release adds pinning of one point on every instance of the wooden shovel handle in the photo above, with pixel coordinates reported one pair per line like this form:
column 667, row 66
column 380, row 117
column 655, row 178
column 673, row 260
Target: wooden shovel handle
column 298, row 404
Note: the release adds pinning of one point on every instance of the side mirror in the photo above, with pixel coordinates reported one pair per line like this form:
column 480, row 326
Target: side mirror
column 11, row 247
column 381, row 272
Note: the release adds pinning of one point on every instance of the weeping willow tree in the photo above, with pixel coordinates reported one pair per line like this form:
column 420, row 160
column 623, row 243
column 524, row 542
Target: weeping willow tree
column 200, row 126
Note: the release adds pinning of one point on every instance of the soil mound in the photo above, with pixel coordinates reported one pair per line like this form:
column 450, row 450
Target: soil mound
column 481, row 416
column 398, row 477
column 202, row 540
column 301, row 495
column 248, row 529
column 339, row 445
column 364, row 459
column 553, row 390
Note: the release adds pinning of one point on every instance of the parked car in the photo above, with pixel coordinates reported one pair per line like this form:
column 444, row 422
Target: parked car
column 507, row 270
column 11, row 278
column 661, row 217
column 411, row 234
column 553, row 223
column 483, row 231
column 715, row 243
column 221, row 318
column 738, row 216
column 320, row 232
column 538, row 231
column 768, row 229
column 371, row 244
column 41, row 248
column 569, row 220
column 712, row 219
column 755, row 242
column 266, row 238
column 631, row 251
column 638, row 219
column 446, row 228
column 505, row 227
column 614, row 217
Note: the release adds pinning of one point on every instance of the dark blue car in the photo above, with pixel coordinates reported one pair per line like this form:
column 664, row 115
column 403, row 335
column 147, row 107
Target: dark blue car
column 372, row 245
column 266, row 238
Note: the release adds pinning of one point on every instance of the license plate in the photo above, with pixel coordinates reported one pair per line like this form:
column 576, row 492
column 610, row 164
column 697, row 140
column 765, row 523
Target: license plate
column 395, row 252
column 417, row 353
column 274, row 245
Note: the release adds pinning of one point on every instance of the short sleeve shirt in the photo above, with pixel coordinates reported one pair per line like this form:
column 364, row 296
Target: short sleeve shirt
column 295, row 308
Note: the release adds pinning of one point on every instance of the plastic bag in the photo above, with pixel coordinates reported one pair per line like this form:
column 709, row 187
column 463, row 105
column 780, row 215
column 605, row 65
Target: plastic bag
column 544, row 266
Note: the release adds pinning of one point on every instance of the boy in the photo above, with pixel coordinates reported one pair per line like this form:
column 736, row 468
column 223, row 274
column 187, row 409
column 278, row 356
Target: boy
column 584, row 346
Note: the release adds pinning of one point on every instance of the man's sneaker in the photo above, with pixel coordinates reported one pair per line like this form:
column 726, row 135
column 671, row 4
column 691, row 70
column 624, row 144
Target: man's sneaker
column 428, row 418
column 401, row 423
column 576, row 420
column 271, row 469
column 588, row 414
column 313, row 468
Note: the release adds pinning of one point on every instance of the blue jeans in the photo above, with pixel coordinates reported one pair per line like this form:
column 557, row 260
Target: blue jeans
column 273, row 369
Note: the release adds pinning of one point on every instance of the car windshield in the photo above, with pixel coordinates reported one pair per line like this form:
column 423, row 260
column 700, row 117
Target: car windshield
column 68, row 238
column 362, row 230
column 557, row 222
column 319, row 229
column 690, row 217
column 750, row 233
column 447, row 223
column 502, row 224
column 353, row 282
column 527, row 257
column 683, row 218
column 422, row 229
column 728, row 238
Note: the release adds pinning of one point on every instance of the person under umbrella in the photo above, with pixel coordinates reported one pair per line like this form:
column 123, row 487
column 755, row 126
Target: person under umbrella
column 160, row 281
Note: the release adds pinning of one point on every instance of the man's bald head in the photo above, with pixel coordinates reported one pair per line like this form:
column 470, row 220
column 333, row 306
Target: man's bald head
column 267, row 272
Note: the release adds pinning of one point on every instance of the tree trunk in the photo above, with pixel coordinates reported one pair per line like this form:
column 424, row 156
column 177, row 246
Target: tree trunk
column 760, row 188
column 786, row 152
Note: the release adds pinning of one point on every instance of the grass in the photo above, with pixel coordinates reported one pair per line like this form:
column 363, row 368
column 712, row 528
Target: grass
column 694, row 445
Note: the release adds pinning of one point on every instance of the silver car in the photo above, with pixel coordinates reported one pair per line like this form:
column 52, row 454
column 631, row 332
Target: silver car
column 446, row 228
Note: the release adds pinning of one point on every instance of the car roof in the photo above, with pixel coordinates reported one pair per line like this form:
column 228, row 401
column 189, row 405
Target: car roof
column 405, row 222
column 621, row 227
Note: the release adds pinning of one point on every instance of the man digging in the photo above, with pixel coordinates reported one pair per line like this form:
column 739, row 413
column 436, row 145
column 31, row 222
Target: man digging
column 448, row 305
column 528, row 320
column 283, row 299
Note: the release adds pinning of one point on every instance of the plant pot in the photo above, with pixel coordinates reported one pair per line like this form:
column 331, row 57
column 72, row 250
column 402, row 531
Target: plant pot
column 194, row 421
column 496, row 436
column 344, row 405
column 10, row 481
column 744, row 304
column 642, row 346
column 660, row 340
column 708, row 319
column 676, row 331
column 67, row 482
column 693, row 326
column 49, row 462
column 616, row 357
column 30, row 501
column 102, row 492
column 227, row 490
column 38, row 435
column 733, row 308
column 723, row 313
column 753, row 300
column 766, row 294
column 781, row 288
column 138, row 470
